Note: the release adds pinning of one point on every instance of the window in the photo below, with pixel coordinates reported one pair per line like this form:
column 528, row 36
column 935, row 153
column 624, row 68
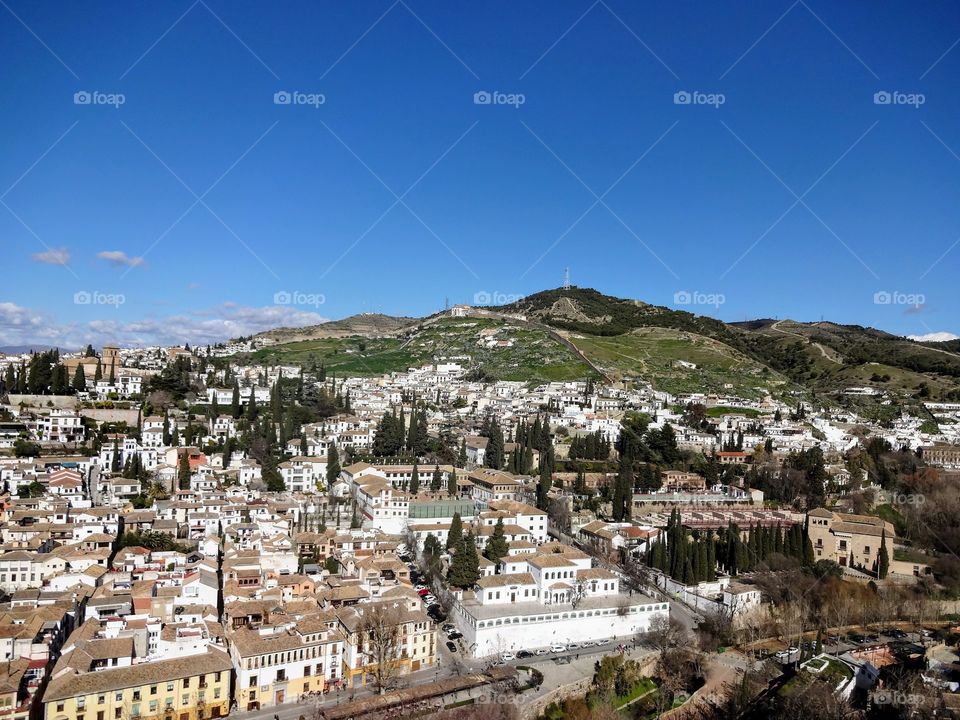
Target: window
column 153, row 689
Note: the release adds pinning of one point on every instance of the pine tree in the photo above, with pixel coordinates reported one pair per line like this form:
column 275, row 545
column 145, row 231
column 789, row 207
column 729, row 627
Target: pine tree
column 497, row 546
column 455, row 534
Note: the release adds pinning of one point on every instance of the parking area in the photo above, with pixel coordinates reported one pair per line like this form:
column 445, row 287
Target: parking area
column 839, row 643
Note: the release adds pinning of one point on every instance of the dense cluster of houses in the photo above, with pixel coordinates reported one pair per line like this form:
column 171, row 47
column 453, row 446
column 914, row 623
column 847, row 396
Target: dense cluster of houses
column 186, row 589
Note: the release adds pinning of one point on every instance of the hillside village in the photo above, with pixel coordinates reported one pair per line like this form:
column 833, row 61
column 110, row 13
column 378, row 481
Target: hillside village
column 186, row 535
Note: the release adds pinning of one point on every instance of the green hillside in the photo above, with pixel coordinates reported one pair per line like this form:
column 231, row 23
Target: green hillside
column 503, row 350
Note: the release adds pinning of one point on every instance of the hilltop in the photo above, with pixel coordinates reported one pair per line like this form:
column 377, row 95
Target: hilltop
column 365, row 324
column 573, row 333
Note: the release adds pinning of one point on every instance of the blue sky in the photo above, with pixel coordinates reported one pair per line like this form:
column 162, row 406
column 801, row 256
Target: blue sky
column 183, row 202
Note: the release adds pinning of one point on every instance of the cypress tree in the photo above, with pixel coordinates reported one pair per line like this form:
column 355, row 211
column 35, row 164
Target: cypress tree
column 436, row 482
column 333, row 465
column 455, row 534
column 452, row 489
column 465, row 568
column 235, row 401
column 883, row 560
column 497, row 546
column 414, row 480
column 183, row 474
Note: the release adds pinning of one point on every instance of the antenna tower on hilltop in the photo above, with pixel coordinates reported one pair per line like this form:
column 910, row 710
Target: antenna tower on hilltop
column 566, row 278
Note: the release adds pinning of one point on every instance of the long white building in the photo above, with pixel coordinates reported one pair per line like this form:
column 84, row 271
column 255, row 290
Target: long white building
column 551, row 596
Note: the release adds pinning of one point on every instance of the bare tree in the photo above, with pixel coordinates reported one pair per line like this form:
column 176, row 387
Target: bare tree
column 380, row 638
column 666, row 633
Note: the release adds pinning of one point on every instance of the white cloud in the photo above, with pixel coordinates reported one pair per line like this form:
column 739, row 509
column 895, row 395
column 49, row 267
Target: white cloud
column 53, row 256
column 119, row 258
column 23, row 326
column 934, row 337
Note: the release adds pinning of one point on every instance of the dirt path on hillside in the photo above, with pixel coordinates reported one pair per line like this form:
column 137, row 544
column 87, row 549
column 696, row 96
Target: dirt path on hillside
column 830, row 355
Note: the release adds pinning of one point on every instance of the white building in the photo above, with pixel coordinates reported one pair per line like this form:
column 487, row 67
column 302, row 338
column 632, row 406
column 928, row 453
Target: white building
column 550, row 597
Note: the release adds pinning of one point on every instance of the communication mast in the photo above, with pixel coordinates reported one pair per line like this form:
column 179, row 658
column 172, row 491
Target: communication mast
column 566, row 278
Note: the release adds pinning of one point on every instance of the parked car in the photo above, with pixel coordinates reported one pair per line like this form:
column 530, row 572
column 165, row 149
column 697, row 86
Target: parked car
column 454, row 635
column 573, row 646
column 524, row 654
column 451, row 646
column 602, row 641
column 557, row 648
column 540, row 651
column 507, row 656
column 448, row 627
